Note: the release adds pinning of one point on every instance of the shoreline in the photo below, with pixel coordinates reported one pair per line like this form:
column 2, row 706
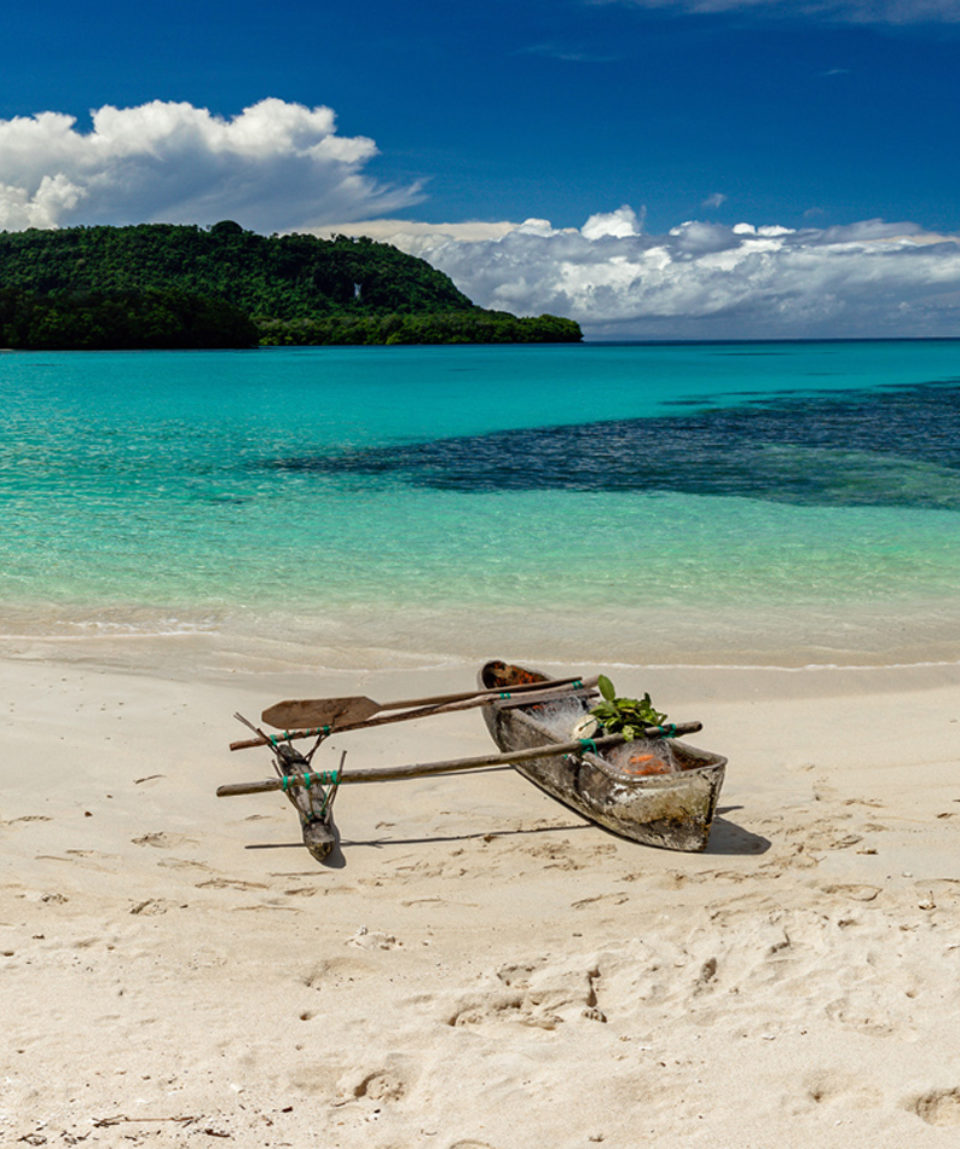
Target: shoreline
column 365, row 639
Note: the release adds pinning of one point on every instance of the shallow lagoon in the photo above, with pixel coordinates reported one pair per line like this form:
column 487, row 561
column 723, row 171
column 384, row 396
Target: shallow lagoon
column 734, row 503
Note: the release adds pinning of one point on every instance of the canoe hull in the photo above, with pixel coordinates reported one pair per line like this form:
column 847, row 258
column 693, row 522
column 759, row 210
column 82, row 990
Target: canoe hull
column 672, row 811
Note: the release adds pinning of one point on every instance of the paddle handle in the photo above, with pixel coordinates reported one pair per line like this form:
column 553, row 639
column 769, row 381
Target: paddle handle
column 298, row 714
column 440, row 699
column 475, row 699
column 420, row 770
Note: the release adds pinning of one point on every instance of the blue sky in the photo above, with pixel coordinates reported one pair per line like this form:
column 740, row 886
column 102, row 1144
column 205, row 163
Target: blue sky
column 556, row 109
column 804, row 115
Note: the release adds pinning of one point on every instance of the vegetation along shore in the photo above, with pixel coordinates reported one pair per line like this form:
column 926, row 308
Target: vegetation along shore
column 175, row 286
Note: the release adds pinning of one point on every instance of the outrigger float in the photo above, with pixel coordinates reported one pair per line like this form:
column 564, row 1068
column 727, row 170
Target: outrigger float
column 655, row 789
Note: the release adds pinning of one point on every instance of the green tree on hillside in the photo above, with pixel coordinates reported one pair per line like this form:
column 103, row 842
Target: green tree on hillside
column 120, row 286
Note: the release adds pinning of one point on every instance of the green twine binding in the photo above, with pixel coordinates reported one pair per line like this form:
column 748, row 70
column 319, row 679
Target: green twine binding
column 504, row 694
column 669, row 731
column 322, row 778
column 577, row 684
column 589, row 744
column 286, row 736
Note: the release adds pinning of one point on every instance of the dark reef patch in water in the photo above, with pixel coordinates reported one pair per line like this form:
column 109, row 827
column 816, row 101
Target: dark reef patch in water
column 877, row 448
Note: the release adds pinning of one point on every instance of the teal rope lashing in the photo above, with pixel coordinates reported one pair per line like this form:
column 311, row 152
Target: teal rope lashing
column 588, row 744
column 321, row 778
column 577, row 684
column 669, row 731
column 289, row 736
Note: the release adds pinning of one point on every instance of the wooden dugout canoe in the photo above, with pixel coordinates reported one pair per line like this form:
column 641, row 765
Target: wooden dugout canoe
column 671, row 810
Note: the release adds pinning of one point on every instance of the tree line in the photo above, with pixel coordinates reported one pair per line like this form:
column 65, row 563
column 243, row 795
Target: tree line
column 170, row 285
column 121, row 320
column 477, row 326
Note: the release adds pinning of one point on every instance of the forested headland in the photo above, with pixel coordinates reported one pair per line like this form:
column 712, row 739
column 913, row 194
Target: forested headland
column 172, row 285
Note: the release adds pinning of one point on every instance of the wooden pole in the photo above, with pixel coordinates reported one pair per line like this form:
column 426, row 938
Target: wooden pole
column 421, row 770
column 298, row 713
column 424, row 712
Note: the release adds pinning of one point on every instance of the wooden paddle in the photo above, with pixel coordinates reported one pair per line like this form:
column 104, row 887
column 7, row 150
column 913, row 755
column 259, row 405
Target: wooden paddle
column 420, row 770
column 296, row 712
column 531, row 697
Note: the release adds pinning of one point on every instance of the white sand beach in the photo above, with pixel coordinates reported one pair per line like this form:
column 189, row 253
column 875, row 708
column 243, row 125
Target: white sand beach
column 486, row 969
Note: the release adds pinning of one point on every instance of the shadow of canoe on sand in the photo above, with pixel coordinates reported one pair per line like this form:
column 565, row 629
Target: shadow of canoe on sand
column 726, row 839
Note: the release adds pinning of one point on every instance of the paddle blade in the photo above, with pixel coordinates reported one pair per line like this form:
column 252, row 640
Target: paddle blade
column 294, row 714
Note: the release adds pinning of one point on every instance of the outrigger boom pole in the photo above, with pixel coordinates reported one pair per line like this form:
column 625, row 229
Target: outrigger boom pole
column 420, row 770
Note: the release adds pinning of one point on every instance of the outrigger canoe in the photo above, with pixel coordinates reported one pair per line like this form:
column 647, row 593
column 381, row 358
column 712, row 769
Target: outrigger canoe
column 672, row 808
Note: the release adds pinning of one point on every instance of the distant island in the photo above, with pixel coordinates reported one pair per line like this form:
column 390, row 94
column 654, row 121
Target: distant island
column 178, row 286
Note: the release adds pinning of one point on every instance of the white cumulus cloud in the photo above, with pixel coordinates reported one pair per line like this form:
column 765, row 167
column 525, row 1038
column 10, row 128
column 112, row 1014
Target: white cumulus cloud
column 621, row 223
column 703, row 280
column 274, row 166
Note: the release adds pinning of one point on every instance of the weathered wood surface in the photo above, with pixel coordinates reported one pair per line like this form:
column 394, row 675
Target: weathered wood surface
column 476, row 699
column 423, row 769
column 673, row 810
column 293, row 712
column 315, row 807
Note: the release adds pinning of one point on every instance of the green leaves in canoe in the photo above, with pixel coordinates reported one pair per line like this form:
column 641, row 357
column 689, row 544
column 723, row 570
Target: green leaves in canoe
column 627, row 716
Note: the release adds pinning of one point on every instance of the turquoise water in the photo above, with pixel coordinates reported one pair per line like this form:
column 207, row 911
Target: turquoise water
column 733, row 503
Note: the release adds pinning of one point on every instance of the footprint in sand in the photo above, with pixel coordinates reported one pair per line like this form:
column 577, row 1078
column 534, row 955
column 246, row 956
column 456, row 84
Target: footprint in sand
column 161, row 840
column 858, row 893
column 712, row 876
column 151, row 907
column 562, row 855
column 336, row 970
column 502, row 1007
column 938, row 1107
column 539, row 996
column 517, row 976
column 862, row 1019
column 182, row 864
column 381, row 1085
column 384, row 1083
column 824, row 1086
